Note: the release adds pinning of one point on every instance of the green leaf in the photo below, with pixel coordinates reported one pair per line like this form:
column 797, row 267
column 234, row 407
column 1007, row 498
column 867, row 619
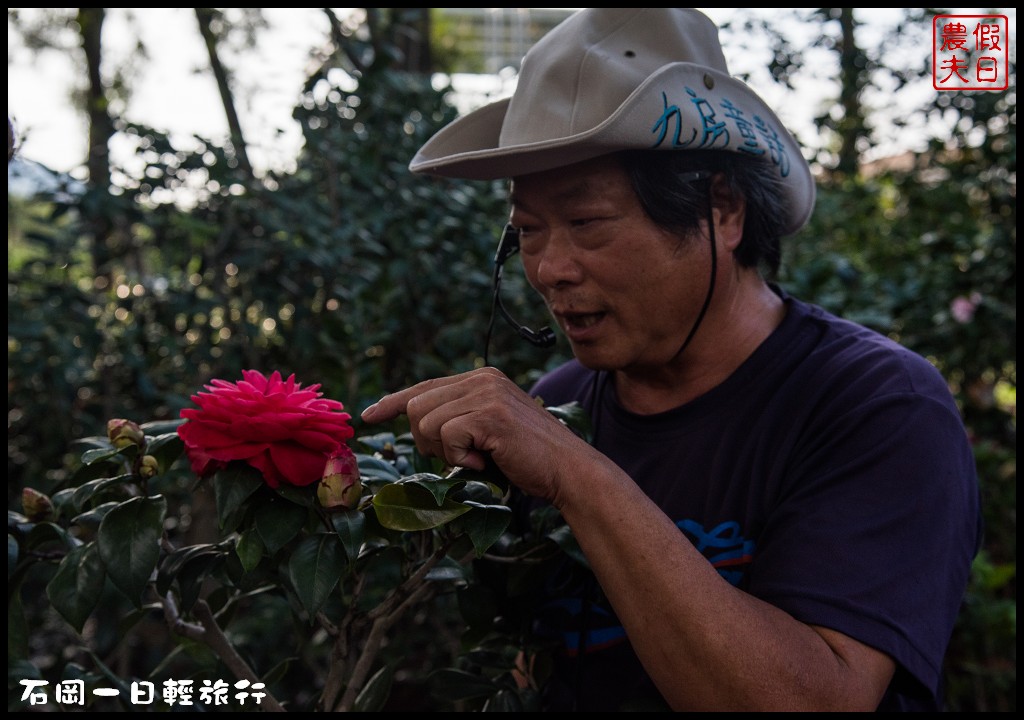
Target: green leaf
column 298, row 495
column 123, row 690
column 350, row 526
column 249, row 549
column 86, row 492
column 129, row 543
column 436, row 485
column 278, row 671
column 160, row 428
column 193, row 574
column 484, row 524
column 44, row 533
column 564, row 538
column 175, row 561
column 12, row 555
column 97, row 471
column 63, row 502
column 166, row 448
column 17, row 521
column 447, row 570
column 374, row 694
column 278, row 521
column 575, row 417
column 504, row 701
column 454, row 684
column 410, row 507
column 373, row 468
column 478, row 491
column 92, row 518
column 232, row 487
column 491, row 476
column 17, row 628
column 75, row 589
column 96, row 455
column 92, row 441
column 18, row 670
column 170, row 661
column 315, row 568
column 422, row 464
column 381, row 442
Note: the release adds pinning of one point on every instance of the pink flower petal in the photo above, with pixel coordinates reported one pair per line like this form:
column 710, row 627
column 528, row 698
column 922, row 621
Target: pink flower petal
column 277, row 426
column 298, row 465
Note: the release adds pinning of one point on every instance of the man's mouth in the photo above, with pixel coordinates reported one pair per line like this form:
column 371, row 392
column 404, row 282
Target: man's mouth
column 582, row 321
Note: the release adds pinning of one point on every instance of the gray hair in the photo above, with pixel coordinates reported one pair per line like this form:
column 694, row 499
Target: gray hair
column 663, row 182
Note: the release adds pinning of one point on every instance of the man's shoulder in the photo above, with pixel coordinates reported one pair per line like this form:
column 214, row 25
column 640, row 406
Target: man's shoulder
column 569, row 381
column 854, row 353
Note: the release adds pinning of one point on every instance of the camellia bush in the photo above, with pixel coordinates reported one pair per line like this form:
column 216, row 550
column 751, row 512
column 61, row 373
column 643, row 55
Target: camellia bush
column 319, row 557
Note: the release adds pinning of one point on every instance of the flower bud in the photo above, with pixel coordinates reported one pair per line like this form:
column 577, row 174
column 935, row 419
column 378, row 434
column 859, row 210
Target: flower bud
column 341, row 486
column 148, row 467
column 37, row 506
column 123, row 433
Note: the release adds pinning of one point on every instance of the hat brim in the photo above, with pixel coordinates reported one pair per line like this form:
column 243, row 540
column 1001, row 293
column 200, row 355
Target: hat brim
column 683, row 106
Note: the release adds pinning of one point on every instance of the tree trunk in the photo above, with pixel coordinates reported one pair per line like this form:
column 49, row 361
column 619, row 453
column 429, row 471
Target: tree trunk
column 205, row 17
column 411, row 36
column 852, row 77
column 101, row 130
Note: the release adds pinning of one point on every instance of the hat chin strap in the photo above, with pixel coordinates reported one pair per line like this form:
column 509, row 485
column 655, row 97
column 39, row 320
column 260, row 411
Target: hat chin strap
column 714, row 274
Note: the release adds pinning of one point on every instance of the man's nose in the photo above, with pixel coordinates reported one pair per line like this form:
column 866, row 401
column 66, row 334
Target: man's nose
column 558, row 262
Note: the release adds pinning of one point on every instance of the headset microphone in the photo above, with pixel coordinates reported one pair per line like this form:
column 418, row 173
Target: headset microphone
column 507, row 247
column 545, row 337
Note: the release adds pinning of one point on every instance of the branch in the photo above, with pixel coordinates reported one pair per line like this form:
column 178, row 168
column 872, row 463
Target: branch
column 205, row 17
column 210, row 634
column 545, row 550
column 329, row 627
column 413, row 589
column 409, row 584
column 373, row 642
column 341, row 42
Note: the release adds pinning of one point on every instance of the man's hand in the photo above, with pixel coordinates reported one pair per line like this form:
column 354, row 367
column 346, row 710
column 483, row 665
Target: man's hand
column 465, row 417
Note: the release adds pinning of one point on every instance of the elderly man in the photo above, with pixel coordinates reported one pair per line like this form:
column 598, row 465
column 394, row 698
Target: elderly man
column 779, row 507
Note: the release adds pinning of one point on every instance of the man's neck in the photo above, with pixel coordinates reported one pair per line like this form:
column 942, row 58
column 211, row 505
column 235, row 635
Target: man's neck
column 739, row 322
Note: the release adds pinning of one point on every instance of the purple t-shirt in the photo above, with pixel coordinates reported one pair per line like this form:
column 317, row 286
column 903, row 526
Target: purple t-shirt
column 830, row 476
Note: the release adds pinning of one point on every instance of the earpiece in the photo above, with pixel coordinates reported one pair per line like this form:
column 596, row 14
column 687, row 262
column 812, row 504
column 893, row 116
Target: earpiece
column 507, row 247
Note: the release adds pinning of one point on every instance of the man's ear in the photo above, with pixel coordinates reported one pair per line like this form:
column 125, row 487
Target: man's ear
column 730, row 211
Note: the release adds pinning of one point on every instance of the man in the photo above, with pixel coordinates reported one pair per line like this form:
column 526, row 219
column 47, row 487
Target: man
column 779, row 507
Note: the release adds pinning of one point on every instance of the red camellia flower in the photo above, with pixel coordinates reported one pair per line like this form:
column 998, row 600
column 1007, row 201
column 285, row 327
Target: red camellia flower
column 285, row 431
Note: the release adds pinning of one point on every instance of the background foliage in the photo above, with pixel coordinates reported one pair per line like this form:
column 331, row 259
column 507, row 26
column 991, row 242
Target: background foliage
column 352, row 273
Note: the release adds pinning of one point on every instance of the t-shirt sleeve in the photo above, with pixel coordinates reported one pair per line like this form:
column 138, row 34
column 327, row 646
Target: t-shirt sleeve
column 875, row 533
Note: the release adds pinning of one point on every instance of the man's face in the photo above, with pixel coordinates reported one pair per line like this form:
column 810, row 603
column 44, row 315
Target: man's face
column 624, row 291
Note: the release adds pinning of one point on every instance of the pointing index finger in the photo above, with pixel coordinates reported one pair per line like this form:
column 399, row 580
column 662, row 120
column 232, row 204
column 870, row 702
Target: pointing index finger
column 387, row 408
column 392, row 405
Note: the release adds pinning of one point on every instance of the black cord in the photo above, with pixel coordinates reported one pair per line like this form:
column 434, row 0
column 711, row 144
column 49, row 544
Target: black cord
column 508, row 246
column 597, row 396
column 714, row 267
column 494, row 313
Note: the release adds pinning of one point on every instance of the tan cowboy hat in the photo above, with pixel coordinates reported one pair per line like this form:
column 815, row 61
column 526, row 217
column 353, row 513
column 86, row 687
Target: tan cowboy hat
column 609, row 79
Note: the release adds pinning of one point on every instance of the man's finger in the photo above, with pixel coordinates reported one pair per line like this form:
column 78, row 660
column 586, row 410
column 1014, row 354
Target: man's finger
column 393, row 405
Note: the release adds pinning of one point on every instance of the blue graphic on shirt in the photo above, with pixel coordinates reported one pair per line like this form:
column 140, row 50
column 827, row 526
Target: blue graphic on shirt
column 596, row 638
column 724, row 547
